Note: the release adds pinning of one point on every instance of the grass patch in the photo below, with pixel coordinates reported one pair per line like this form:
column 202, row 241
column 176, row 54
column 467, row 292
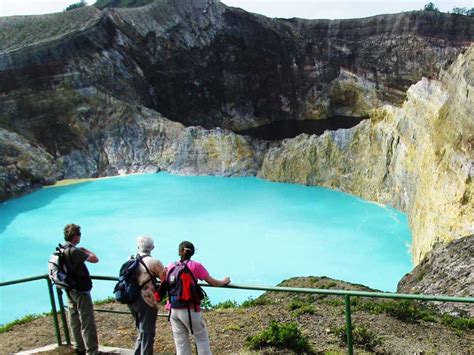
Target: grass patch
column 458, row 323
column 28, row 318
column 296, row 303
column 280, row 336
column 306, row 309
column 226, row 304
column 253, row 302
column 404, row 310
column 361, row 336
column 411, row 311
column 232, row 327
column 299, row 307
column 333, row 302
column 104, row 301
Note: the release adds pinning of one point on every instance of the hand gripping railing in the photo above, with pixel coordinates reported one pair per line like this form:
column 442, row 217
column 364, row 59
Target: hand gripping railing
column 345, row 293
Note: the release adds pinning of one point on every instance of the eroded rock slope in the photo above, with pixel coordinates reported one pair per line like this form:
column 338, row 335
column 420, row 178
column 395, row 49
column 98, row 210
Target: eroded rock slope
column 418, row 158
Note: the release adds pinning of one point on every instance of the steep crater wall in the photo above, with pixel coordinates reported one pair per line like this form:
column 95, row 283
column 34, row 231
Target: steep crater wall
column 418, row 158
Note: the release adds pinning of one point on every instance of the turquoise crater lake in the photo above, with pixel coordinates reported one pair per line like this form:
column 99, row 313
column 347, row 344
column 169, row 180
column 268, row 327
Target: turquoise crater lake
column 255, row 231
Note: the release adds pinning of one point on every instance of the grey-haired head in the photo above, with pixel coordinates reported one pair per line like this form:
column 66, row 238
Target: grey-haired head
column 145, row 244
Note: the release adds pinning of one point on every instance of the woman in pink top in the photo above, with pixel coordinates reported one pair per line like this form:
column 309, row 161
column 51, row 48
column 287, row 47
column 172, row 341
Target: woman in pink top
column 190, row 320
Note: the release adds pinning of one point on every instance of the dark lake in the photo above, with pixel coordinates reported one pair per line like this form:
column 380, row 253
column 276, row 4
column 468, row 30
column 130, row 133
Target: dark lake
column 288, row 129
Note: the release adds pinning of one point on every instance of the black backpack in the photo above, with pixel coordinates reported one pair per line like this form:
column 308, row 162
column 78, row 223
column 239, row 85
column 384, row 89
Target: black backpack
column 58, row 271
column 127, row 288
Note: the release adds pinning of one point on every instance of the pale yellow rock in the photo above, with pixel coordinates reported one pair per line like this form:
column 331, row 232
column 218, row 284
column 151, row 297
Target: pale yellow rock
column 418, row 158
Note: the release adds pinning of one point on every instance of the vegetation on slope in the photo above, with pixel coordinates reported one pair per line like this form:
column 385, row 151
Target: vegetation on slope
column 19, row 31
column 285, row 323
column 102, row 4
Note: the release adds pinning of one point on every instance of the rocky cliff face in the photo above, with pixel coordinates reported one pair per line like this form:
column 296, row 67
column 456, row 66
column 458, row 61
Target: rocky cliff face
column 109, row 137
column 418, row 158
column 447, row 269
column 94, row 93
column 202, row 63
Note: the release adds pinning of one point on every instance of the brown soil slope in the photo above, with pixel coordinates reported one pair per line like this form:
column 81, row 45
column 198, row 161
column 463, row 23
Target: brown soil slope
column 316, row 316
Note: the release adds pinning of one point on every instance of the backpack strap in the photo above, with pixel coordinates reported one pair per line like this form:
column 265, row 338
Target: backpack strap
column 65, row 250
column 192, row 275
column 152, row 278
column 195, row 305
column 190, row 321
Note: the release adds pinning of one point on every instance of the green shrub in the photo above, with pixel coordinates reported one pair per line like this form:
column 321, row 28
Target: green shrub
column 232, row 327
column 252, row 302
column 104, row 301
column 299, row 307
column 430, row 7
column 334, row 302
column 76, row 5
column 361, row 336
column 295, row 304
column 404, row 310
column 101, row 4
column 226, row 304
column 306, row 309
column 458, row 323
column 412, row 311
column 206, row 303
column 280, row 336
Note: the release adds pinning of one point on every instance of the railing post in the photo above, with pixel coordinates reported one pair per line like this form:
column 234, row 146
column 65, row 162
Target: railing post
column 63, row 316
column 53, row 308
column 347, row 300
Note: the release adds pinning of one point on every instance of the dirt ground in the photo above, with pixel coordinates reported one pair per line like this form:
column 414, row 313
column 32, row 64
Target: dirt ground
column 229, row 328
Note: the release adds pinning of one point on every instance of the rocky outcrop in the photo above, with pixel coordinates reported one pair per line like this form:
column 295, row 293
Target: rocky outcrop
column 418, row 158
column 446, row 269
column 217, row 66
column 23, row 166
column 202, row 63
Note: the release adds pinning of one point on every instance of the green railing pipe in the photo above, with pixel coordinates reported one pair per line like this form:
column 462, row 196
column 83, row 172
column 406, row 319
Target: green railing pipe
column 347, row 304
column 27, row 279
column 352, row 293
column 330, row 292
column 59, row 292
column 55, row 313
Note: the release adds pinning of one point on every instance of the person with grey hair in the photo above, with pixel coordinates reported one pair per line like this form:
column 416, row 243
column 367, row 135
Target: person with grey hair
column 145, row 308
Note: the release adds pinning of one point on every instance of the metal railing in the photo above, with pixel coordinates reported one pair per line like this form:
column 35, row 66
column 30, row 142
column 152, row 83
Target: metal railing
column 345, row 293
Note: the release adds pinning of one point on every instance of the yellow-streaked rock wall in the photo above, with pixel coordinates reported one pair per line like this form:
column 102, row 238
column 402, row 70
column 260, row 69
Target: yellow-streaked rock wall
column 418, row 158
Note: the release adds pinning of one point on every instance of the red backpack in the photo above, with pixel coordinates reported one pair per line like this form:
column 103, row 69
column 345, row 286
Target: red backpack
column 183, row 289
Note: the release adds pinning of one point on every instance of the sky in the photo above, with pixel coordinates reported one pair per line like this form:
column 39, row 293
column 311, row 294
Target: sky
column 311, row 9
